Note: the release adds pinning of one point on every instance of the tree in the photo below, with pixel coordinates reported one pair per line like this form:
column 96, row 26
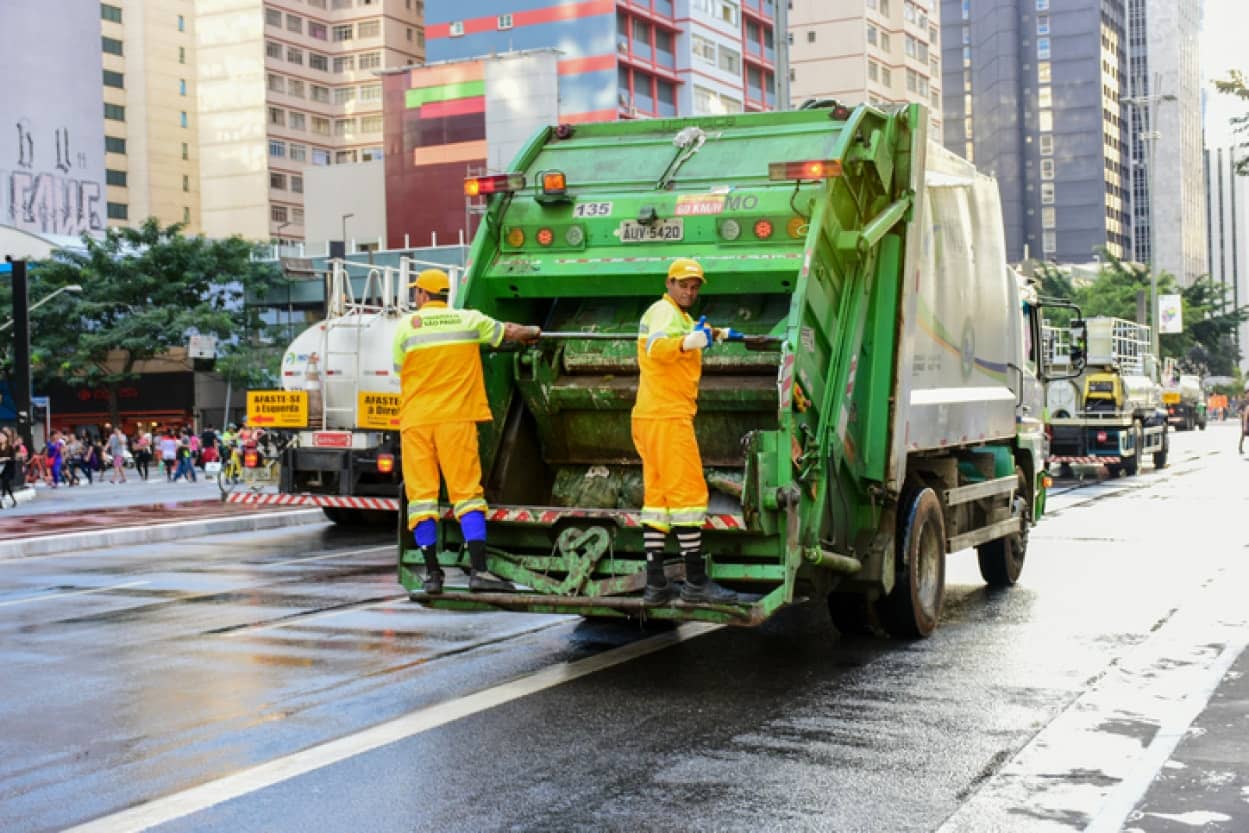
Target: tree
column 1236, row 85
column 145, row 291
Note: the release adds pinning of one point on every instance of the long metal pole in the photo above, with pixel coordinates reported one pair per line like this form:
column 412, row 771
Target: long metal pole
column 21, row 352
column 1153, row 238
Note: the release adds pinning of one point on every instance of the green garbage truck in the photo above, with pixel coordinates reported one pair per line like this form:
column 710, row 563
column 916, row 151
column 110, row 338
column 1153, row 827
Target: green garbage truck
column 883, row 411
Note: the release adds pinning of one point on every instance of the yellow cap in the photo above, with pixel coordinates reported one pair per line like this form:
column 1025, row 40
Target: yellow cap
column 433, row 281
column 686, row 267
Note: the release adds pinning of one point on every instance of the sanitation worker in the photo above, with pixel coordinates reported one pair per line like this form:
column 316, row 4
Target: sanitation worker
column 670, row 361
column 443, row 397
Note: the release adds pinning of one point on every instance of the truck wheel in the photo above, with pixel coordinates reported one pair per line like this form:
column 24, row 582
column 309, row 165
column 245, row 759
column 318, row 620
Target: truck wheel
column 1133, row 463
column 913, row 607
column 1001, row 561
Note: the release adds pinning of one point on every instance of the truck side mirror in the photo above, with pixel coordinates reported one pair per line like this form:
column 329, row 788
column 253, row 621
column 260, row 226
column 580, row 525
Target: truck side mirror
column 1079, row 342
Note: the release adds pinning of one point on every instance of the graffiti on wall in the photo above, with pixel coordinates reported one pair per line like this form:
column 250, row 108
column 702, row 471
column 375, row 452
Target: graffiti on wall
column 47, row 192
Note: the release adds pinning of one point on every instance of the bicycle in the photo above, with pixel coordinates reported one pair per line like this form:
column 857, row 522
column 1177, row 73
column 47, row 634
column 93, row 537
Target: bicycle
column 256, row 473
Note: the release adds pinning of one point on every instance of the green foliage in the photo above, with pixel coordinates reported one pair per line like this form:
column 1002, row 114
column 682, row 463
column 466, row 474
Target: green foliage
column 145, row 291
column 1236, row 85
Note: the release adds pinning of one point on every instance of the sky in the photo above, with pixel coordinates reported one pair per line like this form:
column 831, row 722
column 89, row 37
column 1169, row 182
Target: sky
column 1223, row 47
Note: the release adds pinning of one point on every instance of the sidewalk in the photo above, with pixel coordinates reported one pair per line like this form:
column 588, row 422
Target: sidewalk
column 48, row 520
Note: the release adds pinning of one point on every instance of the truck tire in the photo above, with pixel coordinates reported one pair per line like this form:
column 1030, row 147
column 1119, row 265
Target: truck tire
column 913, row 608
column 1001, row 561
column 1133, row 463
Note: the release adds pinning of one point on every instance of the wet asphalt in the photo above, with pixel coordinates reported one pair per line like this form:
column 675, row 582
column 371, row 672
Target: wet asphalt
column 178, row 664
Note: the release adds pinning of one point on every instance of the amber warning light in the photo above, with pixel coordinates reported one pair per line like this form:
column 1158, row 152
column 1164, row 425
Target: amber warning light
column 811, row 169
column 554, row 182
column 475, row 186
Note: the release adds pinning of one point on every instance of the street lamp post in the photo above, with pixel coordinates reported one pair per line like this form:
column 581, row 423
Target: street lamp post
column 1150, row 137
column 72, row 288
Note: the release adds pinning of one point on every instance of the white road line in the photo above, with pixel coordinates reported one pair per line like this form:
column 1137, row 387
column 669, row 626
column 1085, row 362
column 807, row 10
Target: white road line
column 195, row 799
column 47, row 596
column 339, row 554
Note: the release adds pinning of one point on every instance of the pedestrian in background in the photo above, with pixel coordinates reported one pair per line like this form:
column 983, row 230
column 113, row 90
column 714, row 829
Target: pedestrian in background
column 186, row 461
column 142, row 452
column 117, row 450
column 91, row 457
column 8, row 466
column 168, row 452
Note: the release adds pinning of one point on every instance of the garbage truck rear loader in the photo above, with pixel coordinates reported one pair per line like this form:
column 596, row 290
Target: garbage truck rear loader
column 887, row 413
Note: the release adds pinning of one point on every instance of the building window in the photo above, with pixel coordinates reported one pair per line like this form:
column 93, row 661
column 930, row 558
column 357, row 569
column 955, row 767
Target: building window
column 344, row 127
column 186, row 151
column 186, row 182
column 1043, row 72
column 118, row 211
column 295, row 87
column 343, row 32
column 321, row 94
column 1045, row 121
column 273, row 17
column 182, row 86
column 369, row 60
column 343, row 157
column 108, row 12
column 111, row 45
column 873, row 71
column 371, row 92
column 1043, row 49
column 299, row 153
column 1047, row 169
column 1042, row 24
column 295, row 24
column 277, row 213
column 182, row 54
column 277, row 181
column 277, row 116
column 886, row 76
column 295, row 55
column 457, row 28
column 343, row 95
column 276, row 83
column 811, row 36
column 117, row 178
column 114, row 144
column 318, row 61
column 730, row 60
column 182, row 119
column 871, row 34
column 297, row 121
column 114, row 79
column 317, row 30
column 1045, row 97
column 1047, row 193
column 1049, row 217
column 277, row 148
column 504, row 21
column 346, row 63
column 320, row 156
column 1042, row 5
column 186, row 214
column 368, row 29
column 297, row 216
column 703, row 49
column 273, row 49
column 320, row 126
column 1049, row 242
column 114, row 111
column 181, row 23
column 371, row 124
column 885, row 43
column 297, row 183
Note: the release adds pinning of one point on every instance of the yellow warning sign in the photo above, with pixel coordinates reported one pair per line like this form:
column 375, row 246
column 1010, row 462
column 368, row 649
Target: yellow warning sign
column 277, row 408
column 377, row 410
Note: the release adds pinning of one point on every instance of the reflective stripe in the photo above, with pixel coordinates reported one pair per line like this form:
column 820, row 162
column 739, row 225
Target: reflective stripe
column 651, row 341
column 656, row 517
column 472, row 504
column 436, row 339
column 422, row 509
column 688, row 516
column 496, row 334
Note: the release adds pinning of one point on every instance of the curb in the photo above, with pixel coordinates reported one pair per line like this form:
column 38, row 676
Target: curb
column 152, row 534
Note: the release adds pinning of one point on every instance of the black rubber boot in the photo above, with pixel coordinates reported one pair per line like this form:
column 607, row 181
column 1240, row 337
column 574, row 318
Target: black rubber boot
column 661, row 594
column 699, row 588
column 433, row 571
column 480, row 579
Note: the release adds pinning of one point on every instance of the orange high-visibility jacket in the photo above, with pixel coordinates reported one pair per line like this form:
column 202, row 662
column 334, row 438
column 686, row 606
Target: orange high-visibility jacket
column 438, row 360
column 668, row 383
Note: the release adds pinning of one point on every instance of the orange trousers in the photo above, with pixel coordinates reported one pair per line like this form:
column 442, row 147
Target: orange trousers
column 672, row 473
column 449, row 449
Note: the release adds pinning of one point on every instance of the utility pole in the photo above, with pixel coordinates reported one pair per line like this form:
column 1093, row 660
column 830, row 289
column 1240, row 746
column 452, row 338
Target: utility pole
column 21, row 351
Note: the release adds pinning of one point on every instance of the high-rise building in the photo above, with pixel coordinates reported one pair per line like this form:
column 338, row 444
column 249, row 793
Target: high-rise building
column 1226, row 212
column 1031, row 93
column 626, row 58
column 874, row 51
column 285, row 84
column 151, row 144
column 1162, row 136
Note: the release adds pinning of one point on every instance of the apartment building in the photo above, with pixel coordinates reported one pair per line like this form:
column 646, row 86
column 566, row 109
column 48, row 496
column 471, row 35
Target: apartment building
column 1032, row 94
column 1227, row 243
column 284, row 85
column 626, row 58
column 151, row 146
column 866, row 51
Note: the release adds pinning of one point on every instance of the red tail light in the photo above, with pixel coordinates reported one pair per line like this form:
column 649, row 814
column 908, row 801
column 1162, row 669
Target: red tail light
column 1101, row 436
column 251, row 459
column 763, row 229
column 810, row 169
column 385, row 463
column 475, row 186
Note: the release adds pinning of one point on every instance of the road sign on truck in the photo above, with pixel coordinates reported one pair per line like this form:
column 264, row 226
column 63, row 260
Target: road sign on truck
column 889, row 411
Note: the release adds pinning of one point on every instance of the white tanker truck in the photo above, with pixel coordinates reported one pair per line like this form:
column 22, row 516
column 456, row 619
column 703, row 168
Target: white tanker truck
column 344, row 457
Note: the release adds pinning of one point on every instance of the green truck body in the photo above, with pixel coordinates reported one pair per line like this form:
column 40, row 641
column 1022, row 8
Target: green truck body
column 892, row 415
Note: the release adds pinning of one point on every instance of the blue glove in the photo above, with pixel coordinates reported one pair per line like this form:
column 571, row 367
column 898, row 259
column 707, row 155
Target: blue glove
column 700, row 338
column 723, row 334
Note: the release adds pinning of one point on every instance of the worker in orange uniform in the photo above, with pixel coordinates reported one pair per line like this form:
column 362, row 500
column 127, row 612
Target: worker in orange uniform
column 443, row 397
column 670, row 361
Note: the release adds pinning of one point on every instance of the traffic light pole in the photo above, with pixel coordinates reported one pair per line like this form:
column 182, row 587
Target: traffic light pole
column 21, row 352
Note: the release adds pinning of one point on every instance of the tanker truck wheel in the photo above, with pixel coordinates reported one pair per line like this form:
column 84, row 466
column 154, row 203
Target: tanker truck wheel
column 1001, row 561
column 913, row 607
column 1133, row 463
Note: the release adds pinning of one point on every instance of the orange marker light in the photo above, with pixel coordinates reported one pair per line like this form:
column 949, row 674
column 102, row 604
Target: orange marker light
column 385, row 463
column 475, row 186
column 545, row 236
column 516, row 237
column 763, row 229
column 553, row 182
column 794, row 228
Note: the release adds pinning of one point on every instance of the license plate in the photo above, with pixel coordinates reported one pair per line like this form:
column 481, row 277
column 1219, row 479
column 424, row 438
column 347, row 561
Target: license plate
column 631, row 231
column 331, row 439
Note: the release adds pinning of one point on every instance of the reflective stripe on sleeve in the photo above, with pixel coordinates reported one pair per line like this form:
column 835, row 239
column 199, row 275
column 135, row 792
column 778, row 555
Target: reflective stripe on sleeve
column 422, row 509
column 435, row 339
column 473, row 504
